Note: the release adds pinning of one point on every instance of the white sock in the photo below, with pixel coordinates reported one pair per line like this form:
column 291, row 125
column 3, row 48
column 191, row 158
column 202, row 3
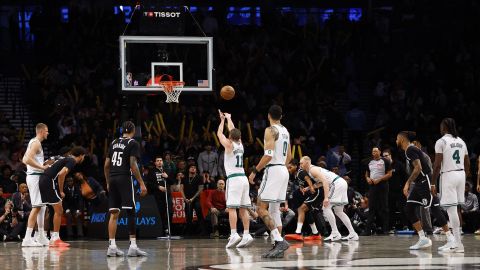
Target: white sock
column 344, row 218
column 327, row 212
column 55, row 236
column 421, row 233
column 246, row 232
column 28, row 233
column 112, row 243
column 314, row 228
column 276, row 235
column 299, row 227
column 41, row 218
column 233, row 231
column 133, row 242
column 455, row 222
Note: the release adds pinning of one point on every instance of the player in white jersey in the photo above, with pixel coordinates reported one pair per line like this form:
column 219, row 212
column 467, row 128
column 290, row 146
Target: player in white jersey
column 335, row 195
column 273, row 188
column 237, row 190
column 451, row 163
column 34, row 160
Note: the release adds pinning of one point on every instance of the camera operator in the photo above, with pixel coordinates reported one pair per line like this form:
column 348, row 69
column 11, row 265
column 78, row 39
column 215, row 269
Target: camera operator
column 10, row 227
column 161, row 182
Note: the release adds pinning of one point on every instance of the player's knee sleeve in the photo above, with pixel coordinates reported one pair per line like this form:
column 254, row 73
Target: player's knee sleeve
column 274, row 210
column 453, row 216
column 338, row 209
column 438, row 215
column 412, row 213
column 131, row 221
column 309, row 217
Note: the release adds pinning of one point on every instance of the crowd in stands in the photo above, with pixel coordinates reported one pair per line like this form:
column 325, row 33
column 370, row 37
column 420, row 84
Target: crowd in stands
column 398, row 69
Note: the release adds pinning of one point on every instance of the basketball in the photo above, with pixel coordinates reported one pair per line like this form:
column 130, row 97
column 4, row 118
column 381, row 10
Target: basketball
column 227, row 92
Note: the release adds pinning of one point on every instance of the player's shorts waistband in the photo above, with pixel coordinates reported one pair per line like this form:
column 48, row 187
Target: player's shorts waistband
column 235, row 175
column 335, row 179
column 459, row 170
column 34, row 173
column 271, row 165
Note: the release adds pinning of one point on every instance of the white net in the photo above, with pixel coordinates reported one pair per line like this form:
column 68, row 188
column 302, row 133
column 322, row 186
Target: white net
column 172, row 90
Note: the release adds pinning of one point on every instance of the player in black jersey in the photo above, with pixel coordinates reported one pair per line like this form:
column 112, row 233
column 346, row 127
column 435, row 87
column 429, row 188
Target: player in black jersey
column 119, row 167
column 310, row 200
column 51, row 188
column 417, row 190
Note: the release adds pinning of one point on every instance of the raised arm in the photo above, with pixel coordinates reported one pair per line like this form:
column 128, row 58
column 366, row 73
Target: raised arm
column 230, row 124
column 221, row 137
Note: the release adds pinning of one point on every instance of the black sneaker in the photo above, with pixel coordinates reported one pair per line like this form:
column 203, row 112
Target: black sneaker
column 278, row 250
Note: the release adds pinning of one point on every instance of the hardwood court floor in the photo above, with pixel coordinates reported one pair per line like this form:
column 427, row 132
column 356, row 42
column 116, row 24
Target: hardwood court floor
column 373, row 252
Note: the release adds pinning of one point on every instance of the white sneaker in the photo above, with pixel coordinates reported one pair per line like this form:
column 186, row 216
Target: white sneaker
column 422, row 243
column 233, row 240
column 114, row 252
column 29, row 242
column 42, row 239
column 450, row 243
column 247, row 239
column 350, row 237
column 136, row 252
column 334, row 237
column 460, row 249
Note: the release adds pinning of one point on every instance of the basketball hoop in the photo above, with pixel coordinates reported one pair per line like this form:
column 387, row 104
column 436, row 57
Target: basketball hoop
column 172, row 90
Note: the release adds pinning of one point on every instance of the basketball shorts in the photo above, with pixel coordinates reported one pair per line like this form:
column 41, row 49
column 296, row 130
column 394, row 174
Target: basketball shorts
column 237, row 191
column 338, row 195
column 33, row 180
column 274, row 184
column 452, row 188
column 420, row 192
column 314, row 201
column 49, row 190
column 121, row 193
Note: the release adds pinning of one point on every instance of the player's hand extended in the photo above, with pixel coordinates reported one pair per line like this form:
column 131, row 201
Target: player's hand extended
column 326, row 202
column 222, row 115
column 143, row 190
column 227, row 116
column 433, row 190
column 251, row 178
column 405, row 189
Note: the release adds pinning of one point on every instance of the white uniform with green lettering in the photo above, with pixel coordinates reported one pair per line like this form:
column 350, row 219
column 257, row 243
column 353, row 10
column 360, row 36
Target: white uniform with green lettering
column 452, row 173
column 33, row 176
column 237, row 187
column 275, row 178
column 338, row 187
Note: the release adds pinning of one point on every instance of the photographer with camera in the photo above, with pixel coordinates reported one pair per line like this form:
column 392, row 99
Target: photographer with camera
column 10, row 227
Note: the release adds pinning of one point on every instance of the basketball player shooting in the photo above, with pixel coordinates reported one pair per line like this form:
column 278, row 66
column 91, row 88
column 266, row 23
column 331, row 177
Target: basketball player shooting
column 237, row 191
column 273, row 188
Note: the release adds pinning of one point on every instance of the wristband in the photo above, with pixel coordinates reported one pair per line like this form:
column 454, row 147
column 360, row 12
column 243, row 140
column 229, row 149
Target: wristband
column 269, row 152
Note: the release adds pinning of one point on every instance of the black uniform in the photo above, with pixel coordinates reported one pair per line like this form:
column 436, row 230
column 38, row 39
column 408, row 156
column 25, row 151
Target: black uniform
column 121, row 190
column 312, row 200
column 48, row 183
column 159, row 181
column 420, row 192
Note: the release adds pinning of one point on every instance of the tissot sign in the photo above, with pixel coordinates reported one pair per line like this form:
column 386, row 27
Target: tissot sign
column 162, row 14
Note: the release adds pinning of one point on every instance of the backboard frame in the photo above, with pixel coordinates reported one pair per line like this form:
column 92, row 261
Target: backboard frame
column 166, row 39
